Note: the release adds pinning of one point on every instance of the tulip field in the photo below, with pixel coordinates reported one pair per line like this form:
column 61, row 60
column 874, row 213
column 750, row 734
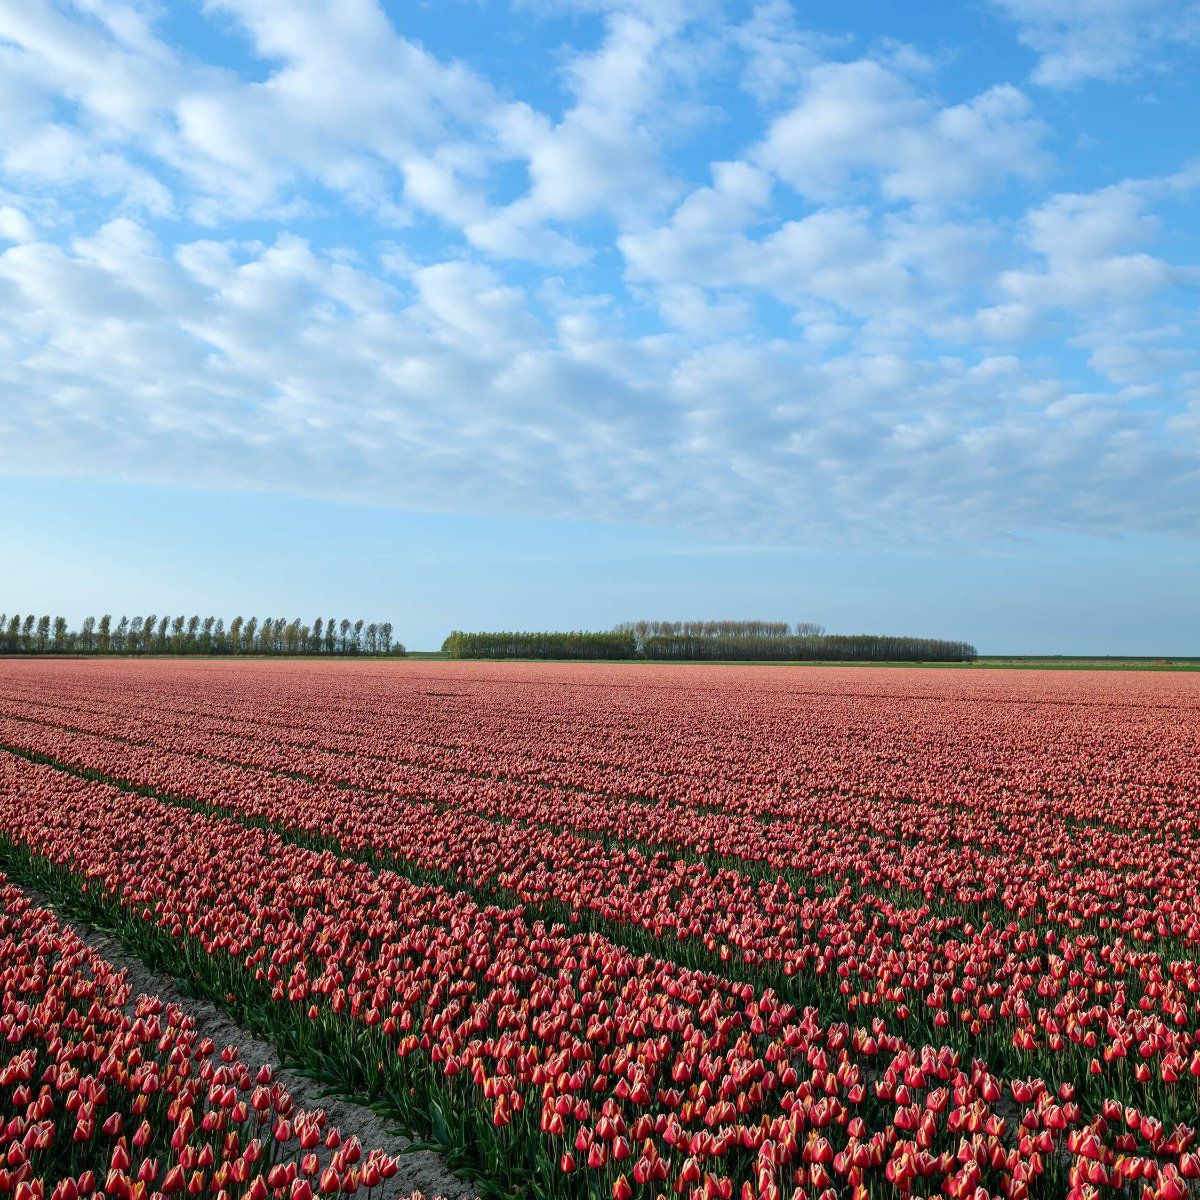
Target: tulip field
column 606, row 931
column 110, row 1094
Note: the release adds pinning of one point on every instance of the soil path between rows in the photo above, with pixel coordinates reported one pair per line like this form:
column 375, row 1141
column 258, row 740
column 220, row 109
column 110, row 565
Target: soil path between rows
column 419, row 1170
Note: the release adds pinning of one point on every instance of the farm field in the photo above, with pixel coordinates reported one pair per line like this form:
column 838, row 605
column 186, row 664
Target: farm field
column 66, row 1005
column 594, row 931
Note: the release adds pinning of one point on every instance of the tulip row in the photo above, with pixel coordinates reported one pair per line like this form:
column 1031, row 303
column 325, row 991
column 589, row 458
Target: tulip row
column 1093, row 742
column 990, row 840
column 957, row 861
column 1112, row 1010
column 568, row 1061
column 106, row 1094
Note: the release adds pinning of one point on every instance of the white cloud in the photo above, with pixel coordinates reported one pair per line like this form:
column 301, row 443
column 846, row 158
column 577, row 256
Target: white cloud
column 1087, row 243
column 894, row 267
column 282, row 367
column 1079, row 40
column 776, row 49
column 1006, row 322
column 120, row 80
column 349, row 104
column 245, row 148
column 604, row 155
column 864, row 313
column 473, row 312
column 15, row 226
column 864, row 126
column 1093, row 266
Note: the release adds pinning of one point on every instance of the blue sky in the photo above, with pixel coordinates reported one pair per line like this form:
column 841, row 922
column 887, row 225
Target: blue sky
column 560, row 312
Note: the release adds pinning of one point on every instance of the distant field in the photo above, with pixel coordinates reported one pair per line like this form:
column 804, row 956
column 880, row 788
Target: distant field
column 1058, row 662
column 1041, row 662
column 999, row 662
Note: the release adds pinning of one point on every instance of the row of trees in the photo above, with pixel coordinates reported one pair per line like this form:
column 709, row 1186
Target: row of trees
column 585, row 646
column 818, row 648
column 643, row 631
column 711, row 641
column 32, row 634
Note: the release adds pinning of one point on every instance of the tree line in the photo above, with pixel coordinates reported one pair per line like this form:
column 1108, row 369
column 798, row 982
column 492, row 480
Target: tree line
column 711, row 641
column 615, row 644
column 31, row 634
column 643, row 631
column 822, row 648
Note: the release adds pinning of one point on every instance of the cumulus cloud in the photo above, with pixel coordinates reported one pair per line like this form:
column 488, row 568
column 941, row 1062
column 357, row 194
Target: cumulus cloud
column 280, row 366
column 732, row 276
column 1092, row 263
column 1088, row 244
column 347, row 103
column 776, row 48
column 1080, row 40
column 605, row 154
column 839, row 260
column 15, row 226
column 866, row 126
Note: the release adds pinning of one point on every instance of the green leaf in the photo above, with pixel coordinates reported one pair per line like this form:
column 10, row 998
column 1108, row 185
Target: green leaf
column 437, row 1120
